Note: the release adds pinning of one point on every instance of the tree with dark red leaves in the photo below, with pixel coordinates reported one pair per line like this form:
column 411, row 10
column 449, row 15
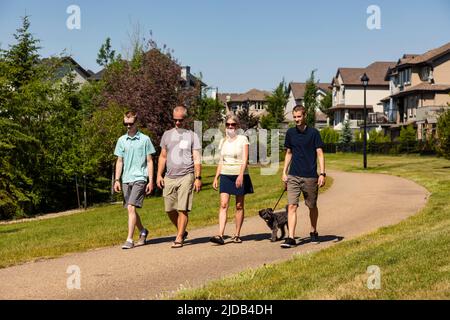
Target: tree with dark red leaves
column 151, row 85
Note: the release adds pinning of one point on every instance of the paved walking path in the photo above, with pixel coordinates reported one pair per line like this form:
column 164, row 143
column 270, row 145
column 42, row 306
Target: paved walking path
column 355, row 204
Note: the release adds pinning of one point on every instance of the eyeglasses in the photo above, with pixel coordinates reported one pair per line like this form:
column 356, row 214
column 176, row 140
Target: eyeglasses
column 230, row 124
column 178, row 120
column 128, row 124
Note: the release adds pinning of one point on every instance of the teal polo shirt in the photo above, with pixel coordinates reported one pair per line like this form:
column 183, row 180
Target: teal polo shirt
column 134, row 151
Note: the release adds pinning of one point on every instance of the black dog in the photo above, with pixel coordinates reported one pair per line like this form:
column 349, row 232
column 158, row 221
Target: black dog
column 275, row 221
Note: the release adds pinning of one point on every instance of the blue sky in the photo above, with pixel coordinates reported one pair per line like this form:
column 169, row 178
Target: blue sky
column 240, row 44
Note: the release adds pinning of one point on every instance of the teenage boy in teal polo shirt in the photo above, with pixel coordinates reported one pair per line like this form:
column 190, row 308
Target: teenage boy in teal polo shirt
column 134, row 163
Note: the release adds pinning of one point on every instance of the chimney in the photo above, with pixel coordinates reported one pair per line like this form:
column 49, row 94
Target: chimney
column 185, row 72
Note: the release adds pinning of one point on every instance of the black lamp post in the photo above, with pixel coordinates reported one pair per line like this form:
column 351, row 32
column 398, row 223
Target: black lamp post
column 365, row 81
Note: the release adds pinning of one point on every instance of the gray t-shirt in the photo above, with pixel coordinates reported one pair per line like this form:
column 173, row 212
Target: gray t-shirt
column 179, row 144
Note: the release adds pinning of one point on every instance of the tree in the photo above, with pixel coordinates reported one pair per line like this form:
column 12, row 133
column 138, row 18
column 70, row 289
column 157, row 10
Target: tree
column 40, row 110
column 150, row 85
column 310, row 100
column 346, row 134
column 276, row 104
column 247, row 120
column 210, row 111
column 22, row 58
column 443, row 133
column 105, row 55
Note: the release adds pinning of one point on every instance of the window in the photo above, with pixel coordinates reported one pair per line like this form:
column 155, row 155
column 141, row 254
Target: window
column 405, row 76
column 426, row 73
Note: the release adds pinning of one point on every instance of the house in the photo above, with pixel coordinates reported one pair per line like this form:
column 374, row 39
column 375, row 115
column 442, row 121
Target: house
column 419, row 87
column 296, row 93
column 81, row 75
column 348, row 96
column 254, row 101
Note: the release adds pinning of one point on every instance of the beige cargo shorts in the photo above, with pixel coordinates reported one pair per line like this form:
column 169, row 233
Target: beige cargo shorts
column 178, row 193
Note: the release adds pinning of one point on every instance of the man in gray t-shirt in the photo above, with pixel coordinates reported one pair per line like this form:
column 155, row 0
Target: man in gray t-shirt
column 180, row 153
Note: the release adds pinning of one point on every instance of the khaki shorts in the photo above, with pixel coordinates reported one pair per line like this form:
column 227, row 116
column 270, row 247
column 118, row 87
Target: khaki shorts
column 298, row 185
column 178, row 193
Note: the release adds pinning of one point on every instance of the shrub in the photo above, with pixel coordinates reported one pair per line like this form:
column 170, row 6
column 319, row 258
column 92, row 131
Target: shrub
column 329, row 135
column 407, row 138
column 443, row 131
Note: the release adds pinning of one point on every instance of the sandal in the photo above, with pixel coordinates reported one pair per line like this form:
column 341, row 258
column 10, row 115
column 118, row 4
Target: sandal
column 177, row 244
column 236, row 239
column 217, row 239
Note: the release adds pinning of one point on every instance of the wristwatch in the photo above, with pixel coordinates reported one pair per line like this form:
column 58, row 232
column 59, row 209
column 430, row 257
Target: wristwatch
column 117, row 180
column 323, row 174
column 198, row 178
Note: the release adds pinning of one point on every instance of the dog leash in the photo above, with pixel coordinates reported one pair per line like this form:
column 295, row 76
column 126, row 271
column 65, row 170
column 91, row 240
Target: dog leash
column 279, row 199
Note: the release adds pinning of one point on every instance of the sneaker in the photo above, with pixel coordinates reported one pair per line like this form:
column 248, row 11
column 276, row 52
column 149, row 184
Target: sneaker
column 314, row 237
column 128, row 245
column 142, row 237
column 288, row 243
column 217, row 239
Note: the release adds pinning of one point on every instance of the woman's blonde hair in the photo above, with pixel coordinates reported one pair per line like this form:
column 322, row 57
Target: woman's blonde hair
column 232, row 117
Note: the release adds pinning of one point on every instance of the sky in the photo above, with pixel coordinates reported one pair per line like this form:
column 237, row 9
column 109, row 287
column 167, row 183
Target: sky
column 238, row 45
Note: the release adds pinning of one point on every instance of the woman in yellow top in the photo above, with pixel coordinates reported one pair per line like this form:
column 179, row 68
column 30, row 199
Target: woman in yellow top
column 234, row 178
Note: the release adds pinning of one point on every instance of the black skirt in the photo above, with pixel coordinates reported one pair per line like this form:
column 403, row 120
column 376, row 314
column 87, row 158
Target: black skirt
column 228, row 185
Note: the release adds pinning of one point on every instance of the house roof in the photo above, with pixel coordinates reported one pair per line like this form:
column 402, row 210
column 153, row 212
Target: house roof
column 346, row 106
column 81, row 71
column 252, row 95
column 428, row 56
column 298, row 88
column 321, row 117
column 98, row 75
column 422, row 87
column 375, row 71
column 416, row 59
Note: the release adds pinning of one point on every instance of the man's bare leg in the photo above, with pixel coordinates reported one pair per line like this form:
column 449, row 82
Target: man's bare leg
column 292, row 219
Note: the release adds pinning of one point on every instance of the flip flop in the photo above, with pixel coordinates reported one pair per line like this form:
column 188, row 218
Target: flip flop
column 217, row 240
column 177, row 244
column 236, row 239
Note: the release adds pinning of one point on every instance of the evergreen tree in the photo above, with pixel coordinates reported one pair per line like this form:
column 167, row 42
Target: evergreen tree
column 346, row 134
column 276, row 104
column 22, row 58
column 247, row 120
column 310, row 100
column 39, row 110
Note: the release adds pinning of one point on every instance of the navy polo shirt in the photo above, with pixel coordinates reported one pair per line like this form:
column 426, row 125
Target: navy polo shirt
column 303, row 146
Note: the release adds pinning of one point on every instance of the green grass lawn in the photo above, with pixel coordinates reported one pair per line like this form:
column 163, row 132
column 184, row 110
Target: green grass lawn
column 414, row 255
column 107, row 225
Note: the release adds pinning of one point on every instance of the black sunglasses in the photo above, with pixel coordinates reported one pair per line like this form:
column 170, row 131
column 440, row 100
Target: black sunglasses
column 180, row 120
column 126, row 124
column 231, row 124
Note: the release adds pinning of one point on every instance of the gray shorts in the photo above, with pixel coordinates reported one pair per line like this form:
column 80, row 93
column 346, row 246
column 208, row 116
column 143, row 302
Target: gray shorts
column 134, row 193
column 298, row 185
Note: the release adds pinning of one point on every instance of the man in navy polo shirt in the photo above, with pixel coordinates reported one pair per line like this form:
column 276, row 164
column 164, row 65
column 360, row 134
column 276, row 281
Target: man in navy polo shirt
column 303, row 148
